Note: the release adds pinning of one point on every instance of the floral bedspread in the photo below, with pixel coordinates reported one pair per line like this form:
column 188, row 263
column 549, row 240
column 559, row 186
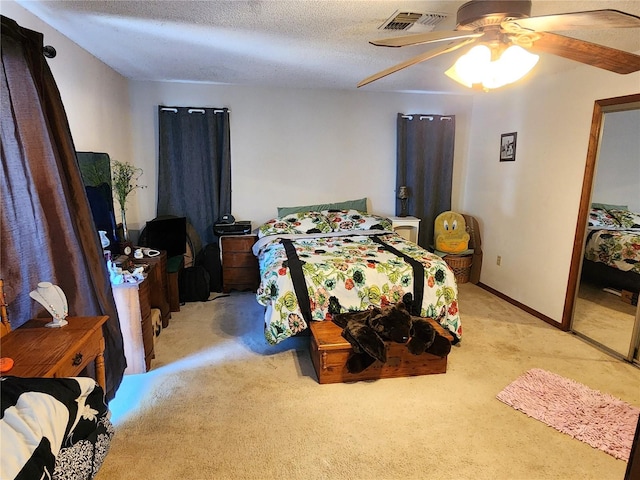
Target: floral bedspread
column 616, row 248
column 348, row 271
column 614, row 237
column 613, row 219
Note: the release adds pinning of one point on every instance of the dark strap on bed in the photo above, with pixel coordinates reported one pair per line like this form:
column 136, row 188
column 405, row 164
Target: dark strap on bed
column 297, row 277
column 418, row 274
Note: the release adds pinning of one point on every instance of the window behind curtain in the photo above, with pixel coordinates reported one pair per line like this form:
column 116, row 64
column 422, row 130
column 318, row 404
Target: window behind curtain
column 194, row 174
column 425, row 165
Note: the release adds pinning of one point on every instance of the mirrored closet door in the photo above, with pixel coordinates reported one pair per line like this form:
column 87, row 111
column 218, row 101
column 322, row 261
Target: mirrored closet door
column 606, row 261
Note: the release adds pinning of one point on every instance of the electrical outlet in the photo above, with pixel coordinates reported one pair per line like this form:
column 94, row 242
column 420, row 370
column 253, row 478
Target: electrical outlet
column 498, row 260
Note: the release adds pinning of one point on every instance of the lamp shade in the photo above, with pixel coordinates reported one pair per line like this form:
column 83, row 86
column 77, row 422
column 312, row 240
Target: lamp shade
column 403, row 192
column 471, row 68
column 513, row 64
column 476, row 67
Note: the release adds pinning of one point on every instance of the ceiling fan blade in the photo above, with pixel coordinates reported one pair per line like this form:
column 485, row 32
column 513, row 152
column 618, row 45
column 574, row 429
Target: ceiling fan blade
column 420, row 58
column 421, row 38
column 617, row 61
column 591, row 20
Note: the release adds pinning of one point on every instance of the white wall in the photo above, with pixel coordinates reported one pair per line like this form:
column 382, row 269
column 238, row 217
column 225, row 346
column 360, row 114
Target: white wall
column 617, row 179
column 296, row 147
column 527, row 209
column 303, row 146
column 95, row 97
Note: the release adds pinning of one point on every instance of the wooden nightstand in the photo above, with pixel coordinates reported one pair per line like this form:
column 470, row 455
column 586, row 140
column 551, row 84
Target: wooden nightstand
column 39, row 351
column 406, row 227
column 239, row 266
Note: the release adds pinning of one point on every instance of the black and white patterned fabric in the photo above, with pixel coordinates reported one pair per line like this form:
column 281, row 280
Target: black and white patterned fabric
column 55, row 428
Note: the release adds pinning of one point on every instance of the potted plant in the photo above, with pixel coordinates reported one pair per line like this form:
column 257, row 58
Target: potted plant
column 124, row 181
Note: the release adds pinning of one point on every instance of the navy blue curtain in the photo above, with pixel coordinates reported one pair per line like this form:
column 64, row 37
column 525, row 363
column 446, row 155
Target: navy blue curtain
column 425, row 165
column 194, row 174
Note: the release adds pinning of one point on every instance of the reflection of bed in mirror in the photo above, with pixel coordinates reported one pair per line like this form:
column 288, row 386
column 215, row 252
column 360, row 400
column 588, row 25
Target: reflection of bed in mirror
column 599, row 305
column 612, row 249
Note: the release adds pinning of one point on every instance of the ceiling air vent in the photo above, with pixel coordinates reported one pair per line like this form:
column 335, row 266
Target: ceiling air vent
column 405, row 20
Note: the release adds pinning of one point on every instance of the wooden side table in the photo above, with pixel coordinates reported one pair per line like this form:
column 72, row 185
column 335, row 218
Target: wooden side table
column 240, row 269
column 39, row 351
column 406, row 227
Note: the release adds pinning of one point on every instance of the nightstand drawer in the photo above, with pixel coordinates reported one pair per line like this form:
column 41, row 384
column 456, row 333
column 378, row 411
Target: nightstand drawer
column 241, row 276
column 238, row 243
column 239, row 260
column 75, row 361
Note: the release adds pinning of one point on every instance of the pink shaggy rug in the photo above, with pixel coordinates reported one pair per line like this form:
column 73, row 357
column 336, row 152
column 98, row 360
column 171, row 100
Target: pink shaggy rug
column 596, row 418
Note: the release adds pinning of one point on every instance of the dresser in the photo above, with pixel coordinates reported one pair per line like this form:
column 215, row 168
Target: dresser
column 240, row 269
column 134, row 304
column 39, row 351
column 145, row 290
column 157, row 284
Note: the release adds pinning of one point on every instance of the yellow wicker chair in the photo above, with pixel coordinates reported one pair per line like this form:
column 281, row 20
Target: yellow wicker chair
column 476, row 244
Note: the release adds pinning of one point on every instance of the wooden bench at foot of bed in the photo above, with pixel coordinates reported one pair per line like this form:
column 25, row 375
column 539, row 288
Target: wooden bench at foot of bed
column 330, row 351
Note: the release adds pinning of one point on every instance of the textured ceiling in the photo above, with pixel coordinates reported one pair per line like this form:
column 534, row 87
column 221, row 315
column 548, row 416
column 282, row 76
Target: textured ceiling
column 299, row 43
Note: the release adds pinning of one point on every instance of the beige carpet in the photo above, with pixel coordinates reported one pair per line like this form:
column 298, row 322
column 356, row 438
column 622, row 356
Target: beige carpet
column 221, row 404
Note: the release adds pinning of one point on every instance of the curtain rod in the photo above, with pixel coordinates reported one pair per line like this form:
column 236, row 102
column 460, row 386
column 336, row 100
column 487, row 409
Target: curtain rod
column 10, row 25
column 49, row 51
column 194, row 110
column 422, row 117
column 430, row 117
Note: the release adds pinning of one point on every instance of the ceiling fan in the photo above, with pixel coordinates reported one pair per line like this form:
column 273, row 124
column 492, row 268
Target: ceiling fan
column 497, row 25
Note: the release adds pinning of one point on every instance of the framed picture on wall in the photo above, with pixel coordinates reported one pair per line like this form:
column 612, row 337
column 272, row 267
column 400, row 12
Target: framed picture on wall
column 508, row 147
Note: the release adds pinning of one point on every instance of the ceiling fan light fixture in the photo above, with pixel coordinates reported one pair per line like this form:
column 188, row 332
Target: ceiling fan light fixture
column 477, row 68
column 514, row 63
column 471, row 68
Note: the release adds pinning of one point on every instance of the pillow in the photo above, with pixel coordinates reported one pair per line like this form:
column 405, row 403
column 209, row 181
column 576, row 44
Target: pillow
column 359, row 204
column 601, row 218
column 343, row 220
column 608, row 206
column 306, row 222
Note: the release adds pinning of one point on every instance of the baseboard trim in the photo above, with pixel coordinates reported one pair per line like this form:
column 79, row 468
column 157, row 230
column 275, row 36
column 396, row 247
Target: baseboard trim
column 522, row 306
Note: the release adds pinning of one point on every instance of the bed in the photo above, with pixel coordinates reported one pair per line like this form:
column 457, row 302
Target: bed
column 612, row 248
column 55, row 428
column 317, row 263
